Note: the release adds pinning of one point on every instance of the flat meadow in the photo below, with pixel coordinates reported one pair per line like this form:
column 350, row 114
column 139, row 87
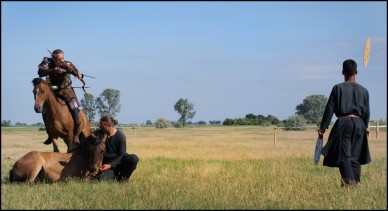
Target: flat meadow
column 212, row 167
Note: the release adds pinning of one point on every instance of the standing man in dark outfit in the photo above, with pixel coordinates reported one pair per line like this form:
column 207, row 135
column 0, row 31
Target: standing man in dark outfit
column 117, row 163
column 347, row 146
column 58, row 76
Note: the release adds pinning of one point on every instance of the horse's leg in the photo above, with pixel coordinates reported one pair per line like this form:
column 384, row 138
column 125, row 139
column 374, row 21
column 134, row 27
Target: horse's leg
column 34, row 172
column 49, row 138
column 55, row 145
column 54, row 164
column 27, row 168
column 52, row 174
column 85, row 126
column 69, row 142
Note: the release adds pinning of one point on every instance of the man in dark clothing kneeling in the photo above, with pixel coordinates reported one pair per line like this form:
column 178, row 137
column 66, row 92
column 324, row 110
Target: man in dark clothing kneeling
column 117, row 163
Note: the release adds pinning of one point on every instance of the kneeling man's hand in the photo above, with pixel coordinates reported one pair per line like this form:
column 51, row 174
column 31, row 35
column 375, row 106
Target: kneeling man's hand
column 105, row 167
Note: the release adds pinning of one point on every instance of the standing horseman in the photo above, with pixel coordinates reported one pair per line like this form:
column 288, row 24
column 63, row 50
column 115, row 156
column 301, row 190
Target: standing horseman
column 57, row 71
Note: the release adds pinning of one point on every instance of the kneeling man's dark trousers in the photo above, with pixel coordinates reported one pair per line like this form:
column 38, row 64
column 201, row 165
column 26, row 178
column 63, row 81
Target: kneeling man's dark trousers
column 123, row 171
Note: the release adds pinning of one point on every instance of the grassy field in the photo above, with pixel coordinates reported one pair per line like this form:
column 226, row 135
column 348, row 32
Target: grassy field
column 205, row 168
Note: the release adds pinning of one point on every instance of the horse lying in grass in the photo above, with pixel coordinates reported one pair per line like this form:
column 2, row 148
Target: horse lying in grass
column 84, row 162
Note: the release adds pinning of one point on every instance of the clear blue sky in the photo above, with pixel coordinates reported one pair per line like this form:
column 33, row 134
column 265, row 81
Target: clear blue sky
column 228, row 58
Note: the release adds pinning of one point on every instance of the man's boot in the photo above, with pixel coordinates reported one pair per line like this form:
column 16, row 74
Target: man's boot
column 77, row 126
column 77, row 131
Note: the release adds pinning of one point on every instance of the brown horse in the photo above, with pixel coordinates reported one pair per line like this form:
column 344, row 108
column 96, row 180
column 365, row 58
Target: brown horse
column 59, row 121
column 83, row 163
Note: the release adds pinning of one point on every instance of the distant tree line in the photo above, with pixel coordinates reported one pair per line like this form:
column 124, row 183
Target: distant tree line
column 251, row 119
column 215, row 122
column 310, row 111
column 7, row 123
column 163, row 123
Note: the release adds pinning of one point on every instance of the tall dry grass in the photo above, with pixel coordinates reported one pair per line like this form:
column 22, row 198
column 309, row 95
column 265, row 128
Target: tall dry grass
column 205, row 168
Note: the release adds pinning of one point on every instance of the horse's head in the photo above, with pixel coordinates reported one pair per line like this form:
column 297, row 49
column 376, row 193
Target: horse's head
column 96, row 149
column 41, row 91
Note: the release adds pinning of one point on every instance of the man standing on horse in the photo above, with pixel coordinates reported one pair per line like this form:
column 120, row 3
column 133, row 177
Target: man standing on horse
column 57, row 71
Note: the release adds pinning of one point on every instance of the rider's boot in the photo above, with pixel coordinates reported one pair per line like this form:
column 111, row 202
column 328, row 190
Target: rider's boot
column 77, row 126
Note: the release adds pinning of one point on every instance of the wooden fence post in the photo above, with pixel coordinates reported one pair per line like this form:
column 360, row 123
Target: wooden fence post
column 274, row 137
column 377, row 129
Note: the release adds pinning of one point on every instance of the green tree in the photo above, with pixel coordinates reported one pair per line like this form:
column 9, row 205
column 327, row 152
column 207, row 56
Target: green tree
column 251, row 116
column 382, row 121
column 148, row 122
column 312, row 108
column 88, row 104
column 273, row 120
column 108, row 103
column 296, row 122
column 185, row 109
column 242, row 121
column 162, row 123
column 177, row 124
column 6, row 123
column 229, row 121
column 38, row 124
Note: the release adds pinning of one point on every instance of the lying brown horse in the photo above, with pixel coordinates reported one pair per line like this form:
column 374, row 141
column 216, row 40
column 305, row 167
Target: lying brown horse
column 59, row 121
column 83, row 163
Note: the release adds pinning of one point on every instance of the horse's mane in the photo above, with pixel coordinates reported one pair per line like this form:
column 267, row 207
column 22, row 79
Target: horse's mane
column 37, row 81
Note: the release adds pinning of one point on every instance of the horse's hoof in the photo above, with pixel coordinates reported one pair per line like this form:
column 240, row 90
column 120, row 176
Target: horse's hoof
column 48, row 141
